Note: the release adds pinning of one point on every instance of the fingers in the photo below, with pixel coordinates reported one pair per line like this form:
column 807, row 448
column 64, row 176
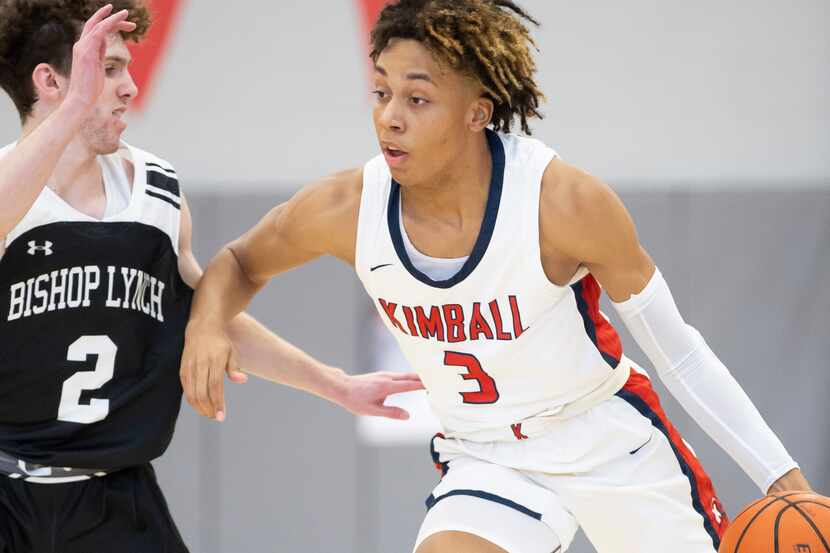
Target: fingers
column 234, row 374
column 237, row 377
column 402, row 386
column 96, row 18
column 203, row 369
column 216, row 389
column 402, row 376
column 92, row 44
column 392, row 413
column 186, row 377
column 115, row 22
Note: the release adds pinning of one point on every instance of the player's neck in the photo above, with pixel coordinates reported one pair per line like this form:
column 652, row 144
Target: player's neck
column 77, row 173
column 459, row 192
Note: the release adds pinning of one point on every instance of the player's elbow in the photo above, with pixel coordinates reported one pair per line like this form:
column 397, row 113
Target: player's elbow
column 246, row 276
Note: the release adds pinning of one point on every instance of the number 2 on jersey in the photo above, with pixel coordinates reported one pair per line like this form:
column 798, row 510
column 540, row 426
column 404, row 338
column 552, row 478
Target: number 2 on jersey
column 70, row 408
column 487, row 392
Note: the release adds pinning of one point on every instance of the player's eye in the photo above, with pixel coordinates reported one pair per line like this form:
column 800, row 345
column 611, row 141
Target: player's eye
column 379, row 94
column 418, row 101
column 111, row 70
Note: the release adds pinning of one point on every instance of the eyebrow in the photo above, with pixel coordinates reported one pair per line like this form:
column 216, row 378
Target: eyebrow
column 120, row 59
column 414, row 76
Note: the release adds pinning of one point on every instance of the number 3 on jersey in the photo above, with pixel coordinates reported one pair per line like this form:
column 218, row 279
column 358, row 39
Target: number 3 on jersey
column 70, row 408
column 487, row 391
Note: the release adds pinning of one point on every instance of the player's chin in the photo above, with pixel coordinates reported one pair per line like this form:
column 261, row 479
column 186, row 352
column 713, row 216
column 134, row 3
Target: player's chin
column 402, row 174
column 111, row 144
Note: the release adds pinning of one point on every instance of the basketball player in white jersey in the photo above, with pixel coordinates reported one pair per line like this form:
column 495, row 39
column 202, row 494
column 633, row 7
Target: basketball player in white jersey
column 484, row 253
column 96, row 277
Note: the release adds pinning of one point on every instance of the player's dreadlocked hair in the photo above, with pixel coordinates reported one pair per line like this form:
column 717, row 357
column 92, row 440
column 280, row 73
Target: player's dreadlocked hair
column 485, row 39
column 44, row 31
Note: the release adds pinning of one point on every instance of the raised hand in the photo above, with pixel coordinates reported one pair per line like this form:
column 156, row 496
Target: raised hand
column 208, row 356
column 89, row 53
column 366, row 393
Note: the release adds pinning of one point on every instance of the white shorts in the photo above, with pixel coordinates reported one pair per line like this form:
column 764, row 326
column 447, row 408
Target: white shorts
column 620, row 471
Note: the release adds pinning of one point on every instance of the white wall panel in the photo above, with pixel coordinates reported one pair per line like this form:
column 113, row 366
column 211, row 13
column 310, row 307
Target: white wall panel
column 641, row 92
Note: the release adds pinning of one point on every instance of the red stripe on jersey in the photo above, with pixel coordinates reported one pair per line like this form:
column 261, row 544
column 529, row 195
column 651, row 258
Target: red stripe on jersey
column 607, row 339
column 640, row 386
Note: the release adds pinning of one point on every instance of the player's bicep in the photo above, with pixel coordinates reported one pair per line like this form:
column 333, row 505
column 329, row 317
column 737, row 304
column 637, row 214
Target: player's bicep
column 591, row 225
column 274, row 245
column 320, row 219
column 617, row 259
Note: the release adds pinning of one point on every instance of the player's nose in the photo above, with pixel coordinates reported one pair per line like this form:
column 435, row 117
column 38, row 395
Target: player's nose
column 391, row 117
column 128, row 89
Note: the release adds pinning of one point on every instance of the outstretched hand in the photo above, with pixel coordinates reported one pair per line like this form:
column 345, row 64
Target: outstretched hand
column 365, row 394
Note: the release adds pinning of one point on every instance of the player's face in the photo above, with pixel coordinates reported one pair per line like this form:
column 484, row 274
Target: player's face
column 103, row 128
column 422, row 111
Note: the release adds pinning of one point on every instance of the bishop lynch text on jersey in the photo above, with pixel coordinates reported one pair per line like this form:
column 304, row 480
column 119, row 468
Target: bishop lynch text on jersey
column 80, row 287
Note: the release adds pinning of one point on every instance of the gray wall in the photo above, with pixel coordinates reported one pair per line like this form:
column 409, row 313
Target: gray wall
column 286, row 472
column 276, row 93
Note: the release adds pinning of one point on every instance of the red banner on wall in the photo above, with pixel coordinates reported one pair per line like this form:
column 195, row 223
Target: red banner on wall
column 370, row 10
column 148, row 54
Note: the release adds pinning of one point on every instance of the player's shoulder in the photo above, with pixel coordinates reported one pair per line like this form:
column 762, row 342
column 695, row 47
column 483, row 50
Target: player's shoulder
column 148, row 159
column 571, row 194
column 522, row 150
column 161, row 177
column 6, row 149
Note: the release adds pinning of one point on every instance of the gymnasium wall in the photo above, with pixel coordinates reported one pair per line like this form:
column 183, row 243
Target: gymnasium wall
column 709, row 118
column 265, row 95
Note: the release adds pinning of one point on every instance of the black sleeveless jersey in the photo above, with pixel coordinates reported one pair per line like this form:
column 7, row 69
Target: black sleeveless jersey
column 92, row 318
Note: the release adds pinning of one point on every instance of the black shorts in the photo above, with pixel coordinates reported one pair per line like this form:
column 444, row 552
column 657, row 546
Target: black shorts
column 122, row 512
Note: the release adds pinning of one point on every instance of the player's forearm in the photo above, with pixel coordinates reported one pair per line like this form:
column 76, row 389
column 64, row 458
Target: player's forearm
column 223, row 292
column 702, row 384
column 711, row 395
column 264, row 354
column 26, row 169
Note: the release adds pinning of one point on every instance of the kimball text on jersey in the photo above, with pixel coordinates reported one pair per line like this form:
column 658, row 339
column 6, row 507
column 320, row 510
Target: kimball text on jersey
column 79, row 287
column 452, row 323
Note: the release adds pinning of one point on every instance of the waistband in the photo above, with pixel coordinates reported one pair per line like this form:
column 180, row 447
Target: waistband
column 539, row 424
column 19, row 469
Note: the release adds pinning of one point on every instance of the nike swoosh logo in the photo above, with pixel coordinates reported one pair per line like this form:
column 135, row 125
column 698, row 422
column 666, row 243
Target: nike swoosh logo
column 376, row 267
column 639, row 448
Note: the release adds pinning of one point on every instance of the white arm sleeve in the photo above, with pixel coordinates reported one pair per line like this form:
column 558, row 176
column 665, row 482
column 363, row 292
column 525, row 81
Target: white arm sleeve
column 702, row 384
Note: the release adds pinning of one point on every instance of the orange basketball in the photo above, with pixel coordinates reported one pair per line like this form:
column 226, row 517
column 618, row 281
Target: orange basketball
column 785, row 523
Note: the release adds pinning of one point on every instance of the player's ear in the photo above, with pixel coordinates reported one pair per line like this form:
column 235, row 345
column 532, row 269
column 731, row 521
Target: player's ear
column 481, row 113
column 49, row 85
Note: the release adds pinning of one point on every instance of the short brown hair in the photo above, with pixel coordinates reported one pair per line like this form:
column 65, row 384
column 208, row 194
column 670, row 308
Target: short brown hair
column 44, row 31
column 485, row 39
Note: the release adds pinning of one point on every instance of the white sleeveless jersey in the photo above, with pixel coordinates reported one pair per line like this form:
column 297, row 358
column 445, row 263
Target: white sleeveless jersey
column 153, row 199
column 497, row 344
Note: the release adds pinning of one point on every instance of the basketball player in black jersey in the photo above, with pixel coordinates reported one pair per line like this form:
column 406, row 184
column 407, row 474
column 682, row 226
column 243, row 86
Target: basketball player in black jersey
column 94, row 300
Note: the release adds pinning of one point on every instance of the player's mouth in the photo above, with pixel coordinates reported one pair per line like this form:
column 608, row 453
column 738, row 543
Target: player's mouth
column 394, row 155
column 118, row 116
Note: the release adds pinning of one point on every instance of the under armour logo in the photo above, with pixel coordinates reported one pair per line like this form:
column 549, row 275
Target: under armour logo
column 46, row 248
